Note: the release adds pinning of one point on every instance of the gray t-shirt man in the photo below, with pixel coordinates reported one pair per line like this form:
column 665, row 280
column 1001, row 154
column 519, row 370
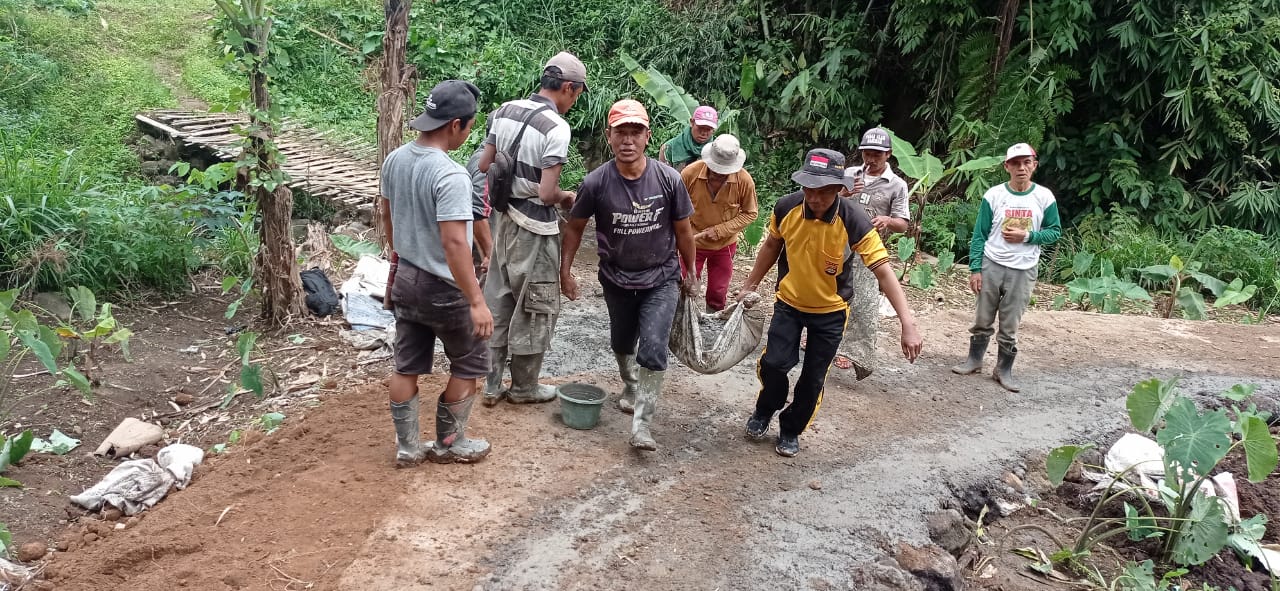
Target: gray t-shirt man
column 635, row 222
column 425, row 187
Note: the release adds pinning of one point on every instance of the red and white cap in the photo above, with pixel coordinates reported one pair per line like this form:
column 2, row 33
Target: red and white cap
column 1018, row 150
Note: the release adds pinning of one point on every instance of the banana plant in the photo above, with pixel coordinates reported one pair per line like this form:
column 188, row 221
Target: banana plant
column 1178, row 274
column 927, row 171
column 667, row 94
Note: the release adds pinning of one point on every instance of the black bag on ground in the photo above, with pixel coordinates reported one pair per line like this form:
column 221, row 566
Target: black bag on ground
column 502, row 171
column 321, row 298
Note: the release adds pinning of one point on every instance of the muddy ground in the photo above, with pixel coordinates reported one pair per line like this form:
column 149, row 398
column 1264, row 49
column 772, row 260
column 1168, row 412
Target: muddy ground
column 318, row 504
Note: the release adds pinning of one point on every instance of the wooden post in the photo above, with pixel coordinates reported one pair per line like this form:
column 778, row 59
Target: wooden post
column 398, row 82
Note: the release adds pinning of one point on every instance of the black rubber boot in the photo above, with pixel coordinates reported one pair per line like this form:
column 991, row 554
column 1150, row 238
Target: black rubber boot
column 977, row 348
column 1004, row 368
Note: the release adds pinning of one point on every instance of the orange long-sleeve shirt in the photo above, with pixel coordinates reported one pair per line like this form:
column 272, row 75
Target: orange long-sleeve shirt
column 730, row 210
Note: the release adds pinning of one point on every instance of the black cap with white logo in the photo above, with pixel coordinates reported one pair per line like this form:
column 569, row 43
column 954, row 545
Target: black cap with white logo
column 449, row 100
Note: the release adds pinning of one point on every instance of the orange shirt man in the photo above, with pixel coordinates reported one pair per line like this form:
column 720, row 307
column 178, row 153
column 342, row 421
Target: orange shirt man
column 724, row 203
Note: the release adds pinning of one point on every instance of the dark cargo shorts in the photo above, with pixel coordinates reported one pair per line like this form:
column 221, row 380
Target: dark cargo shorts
column 426, row 308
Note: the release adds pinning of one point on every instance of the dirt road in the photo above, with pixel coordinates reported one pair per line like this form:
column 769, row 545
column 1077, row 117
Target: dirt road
column 319, row 503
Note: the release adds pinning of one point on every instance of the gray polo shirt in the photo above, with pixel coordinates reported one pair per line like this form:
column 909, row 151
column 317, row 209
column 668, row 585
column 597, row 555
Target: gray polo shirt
column 425, row 187
column 884, row 195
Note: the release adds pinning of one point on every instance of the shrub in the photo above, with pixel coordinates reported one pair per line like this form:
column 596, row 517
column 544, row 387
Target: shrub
column 949, row 226
column 60, row 228
column 1231, row 253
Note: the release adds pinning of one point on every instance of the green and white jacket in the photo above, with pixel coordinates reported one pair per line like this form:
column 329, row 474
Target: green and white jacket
column 1034, row 209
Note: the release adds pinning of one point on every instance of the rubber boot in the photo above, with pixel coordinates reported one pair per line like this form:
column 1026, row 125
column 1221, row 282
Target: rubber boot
column 1004, row 368
column 451, row 444
column 977, row 348
column 409, row 449
column 647, row 391
column 493, row 390
column 627, row 369
column 524, row 381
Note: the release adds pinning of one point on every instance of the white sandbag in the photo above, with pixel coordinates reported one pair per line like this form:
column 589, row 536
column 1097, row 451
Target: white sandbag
column 740, row 336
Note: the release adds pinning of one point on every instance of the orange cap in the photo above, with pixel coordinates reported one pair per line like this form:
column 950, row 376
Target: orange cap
column 628, row 111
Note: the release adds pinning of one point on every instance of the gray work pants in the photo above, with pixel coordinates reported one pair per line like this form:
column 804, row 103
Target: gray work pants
column 1006, row 291
column 859, row 343
column 523, row 288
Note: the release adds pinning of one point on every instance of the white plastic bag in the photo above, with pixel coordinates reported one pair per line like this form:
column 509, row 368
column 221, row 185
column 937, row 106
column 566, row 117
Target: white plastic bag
column 739, row 337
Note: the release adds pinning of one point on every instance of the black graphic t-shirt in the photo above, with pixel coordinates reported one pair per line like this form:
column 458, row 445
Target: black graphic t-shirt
column 635, row 222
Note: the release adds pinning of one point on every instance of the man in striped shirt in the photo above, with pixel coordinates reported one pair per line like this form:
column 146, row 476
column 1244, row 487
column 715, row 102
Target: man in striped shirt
column 523, row 285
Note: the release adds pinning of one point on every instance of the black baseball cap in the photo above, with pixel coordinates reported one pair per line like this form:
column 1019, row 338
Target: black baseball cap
column 822, row 168
column 448, row 100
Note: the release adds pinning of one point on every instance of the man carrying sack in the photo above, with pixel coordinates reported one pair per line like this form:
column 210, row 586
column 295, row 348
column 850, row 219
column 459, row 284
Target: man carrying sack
column 813, row 236
column 641, row 211
column 724, row 203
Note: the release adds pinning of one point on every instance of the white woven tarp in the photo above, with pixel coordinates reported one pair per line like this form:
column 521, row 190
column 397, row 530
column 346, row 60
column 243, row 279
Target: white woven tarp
column 737, row 339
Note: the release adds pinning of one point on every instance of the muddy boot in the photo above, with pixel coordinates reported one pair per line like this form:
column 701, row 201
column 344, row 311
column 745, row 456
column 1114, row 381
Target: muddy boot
column 977, row 348
column 451, row 444
column 493, row 390
column 648, row 388
column 409, row 449
column 627, row 368
column 524, row 381
column 1004, row 367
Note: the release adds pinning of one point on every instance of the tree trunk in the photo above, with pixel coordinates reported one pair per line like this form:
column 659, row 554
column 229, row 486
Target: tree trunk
column 398, row 82
column 1004, row 35
column 277, row 264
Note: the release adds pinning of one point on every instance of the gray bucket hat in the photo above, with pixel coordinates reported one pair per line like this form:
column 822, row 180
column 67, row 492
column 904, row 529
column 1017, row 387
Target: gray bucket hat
column 822, row 168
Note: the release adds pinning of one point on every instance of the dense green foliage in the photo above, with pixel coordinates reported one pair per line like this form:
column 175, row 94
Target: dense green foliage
column 72, row 75
column 1157, row 122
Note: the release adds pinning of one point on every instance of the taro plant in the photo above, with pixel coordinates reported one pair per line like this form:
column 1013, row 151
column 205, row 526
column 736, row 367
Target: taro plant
column 21, row 334
column 1193, row 526
column 12, row 450
column 1104, row 292
column 1180, row 276
column 250, row 376
column 93, row 326
column 921, row 274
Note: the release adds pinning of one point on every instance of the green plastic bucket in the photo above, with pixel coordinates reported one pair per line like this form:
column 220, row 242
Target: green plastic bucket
column 580, row 404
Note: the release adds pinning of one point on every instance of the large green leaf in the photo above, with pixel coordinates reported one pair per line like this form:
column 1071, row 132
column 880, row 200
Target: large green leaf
column 1149, row 401
column 77, row 379
column 906, row 248
column 1059, row 461
column 1259, row 448
column 83, row 302
column 665, row 93
column 7, row 299
column 251, row 379
column 1204, row 534
column 12, row 450
column 41, row 350
column 981, row 163
column 1192, row 304
column 1158, row 273
column 7, row 483
column 352, row 247
column 120, row 337
column 921, row 277
column 1213, row 284
column 1194, row 442
column 946, row 261
column 1138, row 577
column 747, row 80
column 1235, row 293
column 1081, row 263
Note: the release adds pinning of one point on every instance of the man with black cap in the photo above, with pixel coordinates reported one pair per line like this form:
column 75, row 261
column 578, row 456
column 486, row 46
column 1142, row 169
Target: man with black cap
column 523, row 285
column 428, row 220
column 813, row 236
column 883, row 195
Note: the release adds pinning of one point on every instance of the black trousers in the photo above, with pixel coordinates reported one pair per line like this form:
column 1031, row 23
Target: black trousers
column 782, row 352
column 640, row 321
